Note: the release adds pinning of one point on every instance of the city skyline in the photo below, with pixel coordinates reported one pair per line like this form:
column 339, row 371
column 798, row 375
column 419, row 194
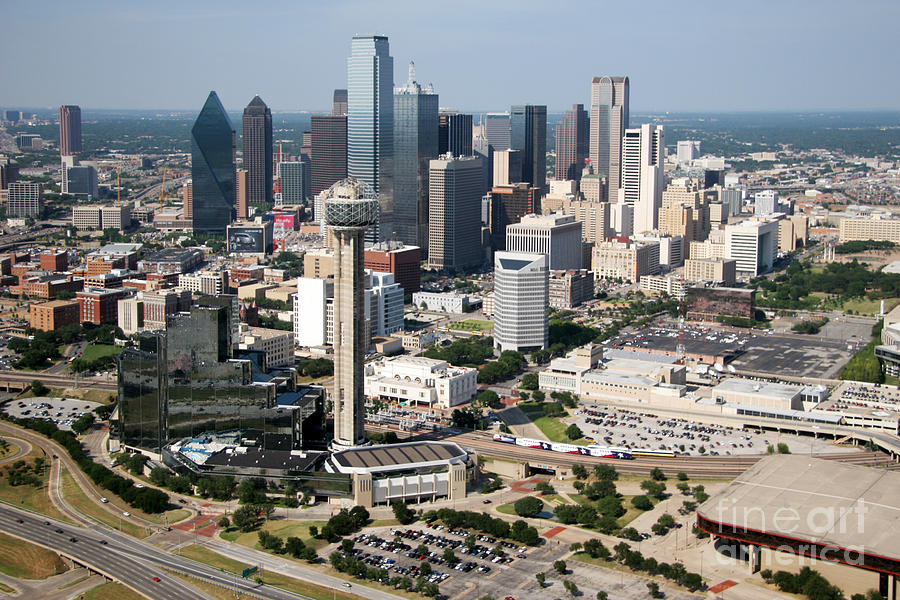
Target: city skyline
column 744, row 64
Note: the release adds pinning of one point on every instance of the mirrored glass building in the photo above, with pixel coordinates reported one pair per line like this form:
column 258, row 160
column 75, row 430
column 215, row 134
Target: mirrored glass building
column 212, row 168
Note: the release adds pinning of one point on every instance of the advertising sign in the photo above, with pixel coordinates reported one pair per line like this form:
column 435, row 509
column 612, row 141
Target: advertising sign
column 245, row 239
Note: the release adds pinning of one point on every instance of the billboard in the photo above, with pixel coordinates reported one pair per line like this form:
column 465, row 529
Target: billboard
column 249, row 240
column 285, row 221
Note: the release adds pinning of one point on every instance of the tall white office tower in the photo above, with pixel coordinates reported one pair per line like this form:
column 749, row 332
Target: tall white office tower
column 643, row 174
column 370, row 123
column 609, row 120
column 521, row 301
column 351, row 207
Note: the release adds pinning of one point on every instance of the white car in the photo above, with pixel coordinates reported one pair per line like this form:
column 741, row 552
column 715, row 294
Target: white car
column 104, row 500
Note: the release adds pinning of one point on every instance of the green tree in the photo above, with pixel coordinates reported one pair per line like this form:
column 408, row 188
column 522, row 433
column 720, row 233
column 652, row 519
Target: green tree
column 560, row 567
column 529, row 506
column 39, row 389
column 642, row 503
column 573, row 432
column 529, row 381
column 605, row 472
column 541, row 578
column 402, row 512
column 656, row 474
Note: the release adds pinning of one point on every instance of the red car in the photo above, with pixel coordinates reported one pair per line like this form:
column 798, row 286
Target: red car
column 155, row 578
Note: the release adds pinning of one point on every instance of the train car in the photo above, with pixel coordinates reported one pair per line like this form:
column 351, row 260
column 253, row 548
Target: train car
column 600, row 451
column 622, row 453
column 506, row 439
column 530, row 443
column 659, row 453
column 565, row 448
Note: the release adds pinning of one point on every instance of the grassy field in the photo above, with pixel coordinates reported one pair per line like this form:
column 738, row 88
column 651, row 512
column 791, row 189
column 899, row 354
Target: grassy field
column 110, row 591
column 26, row 561
column 555, row 430
column 282, row 528
column 30, row 497
column 8, row 449
column 472, row 325
column 75, row 496
column 864, row 306
column 97, row 351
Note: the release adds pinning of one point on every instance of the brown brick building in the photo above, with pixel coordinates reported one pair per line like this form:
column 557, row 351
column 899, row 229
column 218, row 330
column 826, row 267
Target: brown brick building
column 48, row 316
column 405, row 262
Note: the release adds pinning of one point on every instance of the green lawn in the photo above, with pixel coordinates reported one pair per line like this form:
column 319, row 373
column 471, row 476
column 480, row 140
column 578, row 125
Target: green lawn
column 473, row 325
column 864, row 306
column 555, row 430
column 96, row 351
column 282, row 528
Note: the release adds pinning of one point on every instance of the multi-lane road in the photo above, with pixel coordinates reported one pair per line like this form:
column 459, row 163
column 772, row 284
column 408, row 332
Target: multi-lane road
column 134, row 563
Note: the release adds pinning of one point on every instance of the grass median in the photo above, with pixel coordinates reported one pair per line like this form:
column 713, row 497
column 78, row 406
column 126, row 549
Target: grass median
column 76, row 497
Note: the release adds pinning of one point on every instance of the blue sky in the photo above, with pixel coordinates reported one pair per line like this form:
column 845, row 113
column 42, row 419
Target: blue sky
column 480, row 55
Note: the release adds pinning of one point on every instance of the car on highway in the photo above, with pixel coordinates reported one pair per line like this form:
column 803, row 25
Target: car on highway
column 126, row 514
column 58, row 530
column 104, row 542
column 104, row 500
column 155, row 578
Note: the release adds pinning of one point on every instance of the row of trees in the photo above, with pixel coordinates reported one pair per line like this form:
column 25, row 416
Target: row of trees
column 519, row 531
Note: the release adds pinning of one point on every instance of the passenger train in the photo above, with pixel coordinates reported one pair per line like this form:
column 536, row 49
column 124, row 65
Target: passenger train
column 592, row 450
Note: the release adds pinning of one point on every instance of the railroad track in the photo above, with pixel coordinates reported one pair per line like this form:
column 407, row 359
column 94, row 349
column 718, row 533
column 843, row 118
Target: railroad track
column 693, row 466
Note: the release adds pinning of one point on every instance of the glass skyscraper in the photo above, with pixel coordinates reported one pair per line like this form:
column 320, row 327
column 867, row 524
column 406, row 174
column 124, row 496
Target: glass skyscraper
column 184, row 382
column 212, row 168
column 415, row 143
column 370, row 122
column 528, row 135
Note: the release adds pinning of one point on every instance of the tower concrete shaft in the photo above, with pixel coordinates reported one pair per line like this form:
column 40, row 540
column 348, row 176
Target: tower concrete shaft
column 351, row 207
column 349, row 337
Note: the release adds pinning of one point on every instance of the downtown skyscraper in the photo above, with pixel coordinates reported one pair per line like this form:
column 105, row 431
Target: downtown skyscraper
column 69, row 130
column 212, row 168
column 609, row 120
column 643, row 174
column 571, row 144
column 257, row 146
column 370, row 123
column 528, row 135
column 415, row 144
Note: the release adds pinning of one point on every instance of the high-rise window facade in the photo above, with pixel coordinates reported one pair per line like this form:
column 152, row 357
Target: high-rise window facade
column 370, row 119
column 454, row 223
column 257, row 147
column 609, row 120
column 528, row 134
column 571, row 144
column 415, row 144
column 212, row 168
column 294, row 177
column 454, row 133
column 328, row 151
column 69, row 130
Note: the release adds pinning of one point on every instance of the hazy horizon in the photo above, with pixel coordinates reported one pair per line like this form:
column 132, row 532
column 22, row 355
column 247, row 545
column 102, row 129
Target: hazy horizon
column 698, row 57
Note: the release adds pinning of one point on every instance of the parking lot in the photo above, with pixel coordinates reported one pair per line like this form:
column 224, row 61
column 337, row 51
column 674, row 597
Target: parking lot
column 753, row 350
column 487, row 566
column 609, row 426
column 61, row 411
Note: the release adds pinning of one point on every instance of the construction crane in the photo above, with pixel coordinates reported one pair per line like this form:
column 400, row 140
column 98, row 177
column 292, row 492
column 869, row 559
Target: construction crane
column 162, row 186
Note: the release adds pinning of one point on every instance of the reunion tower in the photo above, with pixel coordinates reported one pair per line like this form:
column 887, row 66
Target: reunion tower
column 351, row 207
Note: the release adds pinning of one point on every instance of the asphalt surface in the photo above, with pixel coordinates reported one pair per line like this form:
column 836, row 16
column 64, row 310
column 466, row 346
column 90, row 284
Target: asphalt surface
column 128, row 560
